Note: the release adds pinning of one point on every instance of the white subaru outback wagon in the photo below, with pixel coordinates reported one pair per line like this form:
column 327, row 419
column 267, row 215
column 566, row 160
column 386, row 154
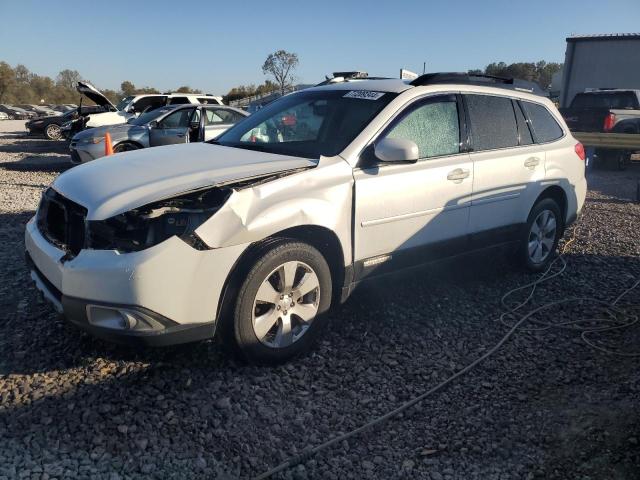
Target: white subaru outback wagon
column 256, row 234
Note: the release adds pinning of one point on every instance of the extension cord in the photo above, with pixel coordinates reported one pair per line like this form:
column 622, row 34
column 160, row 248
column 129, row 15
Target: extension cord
column 609, row 324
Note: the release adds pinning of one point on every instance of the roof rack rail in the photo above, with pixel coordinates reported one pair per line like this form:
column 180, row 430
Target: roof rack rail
column 478, row 79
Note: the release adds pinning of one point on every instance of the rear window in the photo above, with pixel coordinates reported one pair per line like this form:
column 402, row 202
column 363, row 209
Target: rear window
column 545, row 128
column 208, row 101
column 493, row 122
column 617, row 100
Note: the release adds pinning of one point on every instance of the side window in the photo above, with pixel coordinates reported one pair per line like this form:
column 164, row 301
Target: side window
column 523, row 127
column 432, row 126
column 178, row 101
column 493, row 122
column 208, row 101
column 146, row 104
column 212, row 118
column 545, row 127
column 179, row 119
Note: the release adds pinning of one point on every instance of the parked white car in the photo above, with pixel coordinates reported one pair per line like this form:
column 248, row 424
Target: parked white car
column 257, row 235
column 134, row 105
column 4, row 116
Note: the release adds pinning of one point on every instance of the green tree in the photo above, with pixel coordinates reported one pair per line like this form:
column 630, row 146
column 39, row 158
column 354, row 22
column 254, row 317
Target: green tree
column 281, row 64
column 127, row 88
column 7, row 80
column 68, row 78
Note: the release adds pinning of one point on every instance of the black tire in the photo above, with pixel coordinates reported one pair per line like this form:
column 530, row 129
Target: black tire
column 523, row 255
column 125, row 147
column 53, row 132
column 242, row 333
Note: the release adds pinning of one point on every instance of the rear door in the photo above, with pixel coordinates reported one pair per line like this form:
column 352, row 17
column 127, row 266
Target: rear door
column 508, row 168
column 172, row 129
column 407, row 214
column 217, row 120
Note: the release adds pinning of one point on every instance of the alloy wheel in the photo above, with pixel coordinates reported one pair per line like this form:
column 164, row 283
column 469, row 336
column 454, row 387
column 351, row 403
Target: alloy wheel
column 542, row 236
column 286, row 304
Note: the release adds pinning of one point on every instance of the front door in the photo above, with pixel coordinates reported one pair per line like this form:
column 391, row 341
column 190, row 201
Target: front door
column 411, row 213
column 172, row 129
column 217, row 121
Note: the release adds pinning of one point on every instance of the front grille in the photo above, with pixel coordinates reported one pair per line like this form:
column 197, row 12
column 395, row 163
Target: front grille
column 62, row 222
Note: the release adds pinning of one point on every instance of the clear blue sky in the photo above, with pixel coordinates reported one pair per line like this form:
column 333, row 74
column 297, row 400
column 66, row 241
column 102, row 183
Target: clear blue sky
column 216, row 45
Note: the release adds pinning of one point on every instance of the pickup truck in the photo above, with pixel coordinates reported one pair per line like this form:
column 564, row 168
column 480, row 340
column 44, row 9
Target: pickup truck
column 598, row 117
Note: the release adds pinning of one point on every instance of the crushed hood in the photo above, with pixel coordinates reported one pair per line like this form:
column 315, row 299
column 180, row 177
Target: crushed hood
column 93, row 94
column 115, row 184
column 119, row 130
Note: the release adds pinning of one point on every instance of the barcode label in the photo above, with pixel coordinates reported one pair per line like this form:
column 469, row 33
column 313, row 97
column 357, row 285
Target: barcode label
column 364, row 94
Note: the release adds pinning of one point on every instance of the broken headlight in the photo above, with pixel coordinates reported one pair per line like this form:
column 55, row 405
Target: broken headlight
column 154, row 223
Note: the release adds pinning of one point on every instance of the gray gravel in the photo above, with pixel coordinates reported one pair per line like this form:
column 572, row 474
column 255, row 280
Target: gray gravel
column 546, row 406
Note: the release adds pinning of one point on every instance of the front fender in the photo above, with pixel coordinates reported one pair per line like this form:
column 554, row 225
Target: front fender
column 320, row 196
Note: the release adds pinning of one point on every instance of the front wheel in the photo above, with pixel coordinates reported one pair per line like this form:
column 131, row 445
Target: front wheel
column 541, row 235
column 53, row 132
column 125, row 147
column 281, row 305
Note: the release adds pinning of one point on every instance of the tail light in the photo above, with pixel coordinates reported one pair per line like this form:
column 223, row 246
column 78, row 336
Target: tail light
column 609, row 122
column 580, row 151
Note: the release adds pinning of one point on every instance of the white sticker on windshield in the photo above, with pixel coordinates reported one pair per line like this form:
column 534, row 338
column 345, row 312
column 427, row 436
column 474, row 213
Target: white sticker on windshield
column 364, row 94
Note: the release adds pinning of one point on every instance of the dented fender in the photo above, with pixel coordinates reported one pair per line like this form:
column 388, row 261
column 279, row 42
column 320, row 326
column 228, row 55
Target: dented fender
column 320, row 196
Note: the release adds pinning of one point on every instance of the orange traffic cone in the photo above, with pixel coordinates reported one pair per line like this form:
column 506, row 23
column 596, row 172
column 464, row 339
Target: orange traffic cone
column 108, row 148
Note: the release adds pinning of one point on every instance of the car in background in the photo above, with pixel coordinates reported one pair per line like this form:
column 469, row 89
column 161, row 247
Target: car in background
column 605, row 112
column 134, row 105
column 51, row 126
column 38, row 110
column 16, row 113
column 4, row 116
column 163, row 126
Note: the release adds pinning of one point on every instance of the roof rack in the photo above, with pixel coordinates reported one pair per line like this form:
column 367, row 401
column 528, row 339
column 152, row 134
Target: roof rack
column 478, row 79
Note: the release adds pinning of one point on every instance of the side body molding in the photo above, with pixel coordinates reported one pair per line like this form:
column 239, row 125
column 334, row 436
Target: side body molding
column 320, row 196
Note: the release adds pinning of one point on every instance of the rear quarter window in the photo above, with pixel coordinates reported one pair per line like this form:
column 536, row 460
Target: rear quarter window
column 493, row 122
column 545, row 127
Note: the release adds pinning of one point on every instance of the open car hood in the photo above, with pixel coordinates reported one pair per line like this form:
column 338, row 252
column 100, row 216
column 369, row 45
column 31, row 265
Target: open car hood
column 93, row 94
column 115, row 184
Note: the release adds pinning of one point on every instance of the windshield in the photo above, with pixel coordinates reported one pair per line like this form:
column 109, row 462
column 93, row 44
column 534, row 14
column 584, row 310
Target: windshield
column 149, row 116
column 308, row 124
column 124, row 102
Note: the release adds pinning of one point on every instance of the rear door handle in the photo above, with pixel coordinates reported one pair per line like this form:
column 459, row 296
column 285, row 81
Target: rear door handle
column 532, row 162
column 457, row 175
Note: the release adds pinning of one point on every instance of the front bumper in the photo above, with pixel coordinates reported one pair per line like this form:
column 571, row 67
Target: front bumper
column 171, row 287
column 82, row 153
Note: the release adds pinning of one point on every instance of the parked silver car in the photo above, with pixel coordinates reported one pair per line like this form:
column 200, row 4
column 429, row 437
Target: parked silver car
column 164, row 126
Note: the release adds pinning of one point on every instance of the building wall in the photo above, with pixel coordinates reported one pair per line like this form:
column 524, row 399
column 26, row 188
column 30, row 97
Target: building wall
column 600, row 63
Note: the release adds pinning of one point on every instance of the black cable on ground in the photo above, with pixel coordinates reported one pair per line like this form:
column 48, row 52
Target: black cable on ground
column 584, row 326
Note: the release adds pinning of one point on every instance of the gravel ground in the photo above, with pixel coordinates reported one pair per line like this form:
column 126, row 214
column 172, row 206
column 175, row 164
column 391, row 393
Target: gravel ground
column 545, row 406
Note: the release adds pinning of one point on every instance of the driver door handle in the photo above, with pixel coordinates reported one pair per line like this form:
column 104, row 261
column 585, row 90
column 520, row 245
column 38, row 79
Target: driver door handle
column 457, row 175
column 180, row 134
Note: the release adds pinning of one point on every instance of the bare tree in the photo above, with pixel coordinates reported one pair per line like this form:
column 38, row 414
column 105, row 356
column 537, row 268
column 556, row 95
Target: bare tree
column 68, row 78
column 281, row 64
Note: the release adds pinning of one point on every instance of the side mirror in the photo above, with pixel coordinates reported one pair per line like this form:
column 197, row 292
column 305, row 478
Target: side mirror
column 396, row 150
column 153, row 124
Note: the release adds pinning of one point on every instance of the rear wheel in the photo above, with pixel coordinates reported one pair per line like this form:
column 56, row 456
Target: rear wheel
column 53, row 132
column 541, row 235
column 280, row 307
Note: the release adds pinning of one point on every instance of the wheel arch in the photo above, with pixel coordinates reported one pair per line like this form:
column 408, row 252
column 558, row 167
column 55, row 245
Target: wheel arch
column 323, row 239
column 556, row 193
column 127, row 141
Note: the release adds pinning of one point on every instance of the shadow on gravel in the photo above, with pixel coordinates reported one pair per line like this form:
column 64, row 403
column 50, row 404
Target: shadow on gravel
column 39, row 163
column 36, row 146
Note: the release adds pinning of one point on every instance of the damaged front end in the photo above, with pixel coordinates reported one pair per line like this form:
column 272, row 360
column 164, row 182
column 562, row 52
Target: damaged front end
column 151, row 224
